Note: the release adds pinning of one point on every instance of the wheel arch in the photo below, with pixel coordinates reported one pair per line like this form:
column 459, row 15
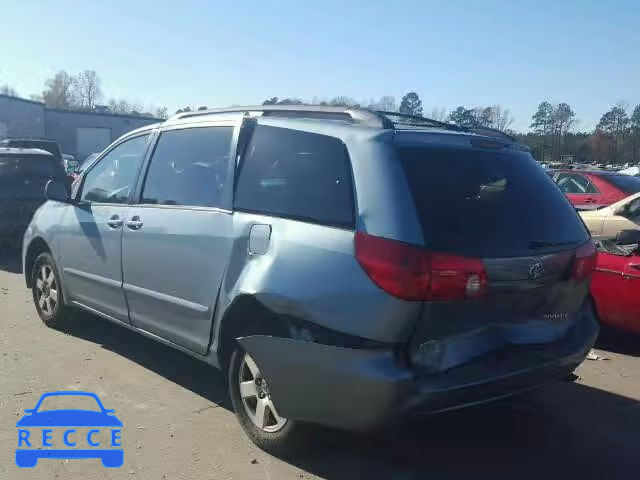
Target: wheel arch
column 37, row 246
column 244, row 314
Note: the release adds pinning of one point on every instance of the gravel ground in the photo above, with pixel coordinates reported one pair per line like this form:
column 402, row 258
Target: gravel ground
column 178, row 423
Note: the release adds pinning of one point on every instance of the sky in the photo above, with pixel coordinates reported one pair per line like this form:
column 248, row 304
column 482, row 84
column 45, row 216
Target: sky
column 217, row 53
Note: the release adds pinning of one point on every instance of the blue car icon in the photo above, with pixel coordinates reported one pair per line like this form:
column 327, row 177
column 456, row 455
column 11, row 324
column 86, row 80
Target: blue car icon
column 38, row 418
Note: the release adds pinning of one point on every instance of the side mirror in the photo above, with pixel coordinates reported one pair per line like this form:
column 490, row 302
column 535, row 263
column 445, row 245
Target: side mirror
column 57, row 191
column 628, row 237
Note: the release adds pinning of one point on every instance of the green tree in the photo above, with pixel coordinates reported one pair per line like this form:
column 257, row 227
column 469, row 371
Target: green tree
column 615, row 123
column 541, row 125
column 59, row 91
column 465, row 117
column 634, row 122
column 271, row 101
column 541, row 120
column 290, row 101
column 411, row 104
column 562, row 120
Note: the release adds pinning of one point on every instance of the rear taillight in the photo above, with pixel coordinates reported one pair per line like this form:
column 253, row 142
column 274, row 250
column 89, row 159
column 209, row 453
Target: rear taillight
column 585, row 261
column 413, row 273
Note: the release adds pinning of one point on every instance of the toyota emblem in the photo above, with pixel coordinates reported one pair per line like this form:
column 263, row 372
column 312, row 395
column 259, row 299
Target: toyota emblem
column 536, row 271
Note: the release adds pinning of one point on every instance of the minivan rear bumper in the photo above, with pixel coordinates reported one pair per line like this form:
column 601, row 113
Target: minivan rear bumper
column 359, row 389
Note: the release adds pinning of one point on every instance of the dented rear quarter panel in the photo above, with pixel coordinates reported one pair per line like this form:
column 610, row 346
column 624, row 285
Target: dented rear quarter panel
column 310, row 272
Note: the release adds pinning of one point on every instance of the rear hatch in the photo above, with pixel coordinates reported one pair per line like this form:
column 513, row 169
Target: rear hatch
column 22, row 182
column 508, row 253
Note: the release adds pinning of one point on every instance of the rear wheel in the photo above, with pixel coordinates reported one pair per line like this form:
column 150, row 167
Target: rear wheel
column 47, row 291
column 255, row 409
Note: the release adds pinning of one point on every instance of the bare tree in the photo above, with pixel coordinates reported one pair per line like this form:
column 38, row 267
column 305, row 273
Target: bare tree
column 162, row 112
column 502, row 118
column 136, row 107
column 119, row 106
column 86, row 86
column 342, row 101
column 7, row 89
column 439, row 113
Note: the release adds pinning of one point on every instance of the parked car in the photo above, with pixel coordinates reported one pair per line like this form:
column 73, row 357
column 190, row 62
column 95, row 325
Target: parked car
column 70, row 163
column 23, row 176
column 50, row 146
column 608, row 221
column 591, row 189
column 616, row 282
column 342, row 270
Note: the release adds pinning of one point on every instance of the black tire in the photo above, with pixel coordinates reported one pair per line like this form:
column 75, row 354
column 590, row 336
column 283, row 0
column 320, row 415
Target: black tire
column 51, row 308
column 288, row 439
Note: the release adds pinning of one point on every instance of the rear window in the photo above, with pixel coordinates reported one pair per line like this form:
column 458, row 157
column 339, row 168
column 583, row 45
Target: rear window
column 26, row 167
column 486, row 203
column 52, row 147
column 626, row 183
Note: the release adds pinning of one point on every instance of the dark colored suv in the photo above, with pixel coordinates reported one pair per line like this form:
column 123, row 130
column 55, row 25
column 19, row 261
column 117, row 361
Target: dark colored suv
column 50, row 146
column 23, row 176
column 342, row 269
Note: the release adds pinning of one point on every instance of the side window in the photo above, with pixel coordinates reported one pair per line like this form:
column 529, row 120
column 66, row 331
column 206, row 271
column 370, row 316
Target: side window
column 297, row 175
column 574, row 183
column 633, row 210
column 113, row 177
column 189, row 167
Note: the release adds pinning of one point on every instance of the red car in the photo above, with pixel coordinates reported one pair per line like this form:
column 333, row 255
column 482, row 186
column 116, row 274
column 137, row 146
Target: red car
column 590, row 189
column 615, row 285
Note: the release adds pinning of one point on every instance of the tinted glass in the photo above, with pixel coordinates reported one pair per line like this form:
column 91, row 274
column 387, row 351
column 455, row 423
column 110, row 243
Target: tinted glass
column 633, row 210
column 297, row 175
column 575, row 183
column 626, row 183
column 113, row 177
column 189, row 167
column 488, row 203
column 14, row 166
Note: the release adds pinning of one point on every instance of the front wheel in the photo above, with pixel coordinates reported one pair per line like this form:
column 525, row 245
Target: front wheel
column 47, row 291
column 255, row 410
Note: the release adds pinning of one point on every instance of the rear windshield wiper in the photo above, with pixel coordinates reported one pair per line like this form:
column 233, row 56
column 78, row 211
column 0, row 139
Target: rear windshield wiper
column 536, row 244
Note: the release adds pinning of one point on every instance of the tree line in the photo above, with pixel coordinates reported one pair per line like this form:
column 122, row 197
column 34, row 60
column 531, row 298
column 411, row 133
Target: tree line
column 82, row 91
column 552, row 134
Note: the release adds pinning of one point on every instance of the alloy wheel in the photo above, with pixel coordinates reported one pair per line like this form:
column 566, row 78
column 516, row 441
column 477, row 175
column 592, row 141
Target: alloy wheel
column 256, row 397
column 46, row 290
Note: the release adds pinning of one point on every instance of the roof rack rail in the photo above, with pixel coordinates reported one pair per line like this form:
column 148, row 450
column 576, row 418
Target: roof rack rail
column 360, row 116
column 419, row 121
column 493, row 132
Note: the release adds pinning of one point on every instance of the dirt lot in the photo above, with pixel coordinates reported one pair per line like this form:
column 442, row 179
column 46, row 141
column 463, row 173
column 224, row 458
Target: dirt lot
column 178, row 423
